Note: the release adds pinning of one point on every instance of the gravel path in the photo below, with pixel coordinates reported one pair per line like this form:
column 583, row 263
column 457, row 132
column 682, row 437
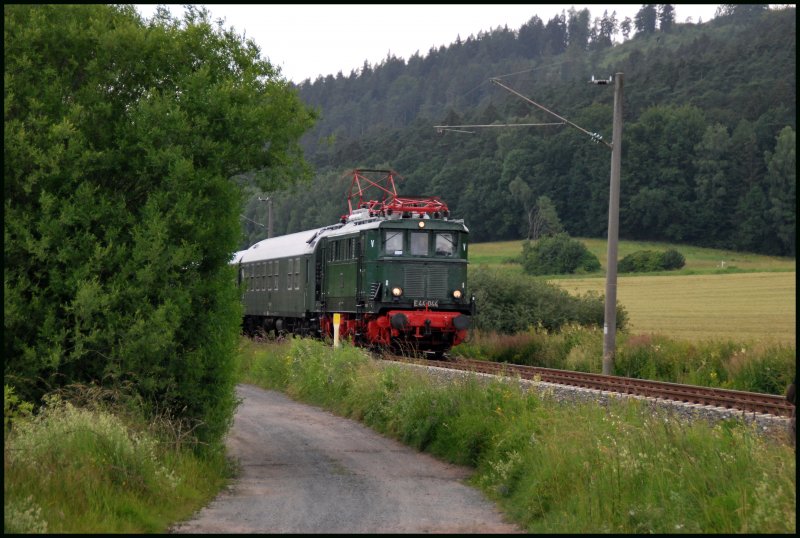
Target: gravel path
column 305, row 470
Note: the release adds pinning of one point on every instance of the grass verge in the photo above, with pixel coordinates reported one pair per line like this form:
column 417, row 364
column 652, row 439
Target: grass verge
column 87, row 470
column 759, row 366
column 554, row 468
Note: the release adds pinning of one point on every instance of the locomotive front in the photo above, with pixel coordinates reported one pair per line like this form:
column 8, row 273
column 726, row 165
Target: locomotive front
column 416, row 271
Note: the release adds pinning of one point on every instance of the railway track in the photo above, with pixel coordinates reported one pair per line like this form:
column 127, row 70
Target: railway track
column 749, row 402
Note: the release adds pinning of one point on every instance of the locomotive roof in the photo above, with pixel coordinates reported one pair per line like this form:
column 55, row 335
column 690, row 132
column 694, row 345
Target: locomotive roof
column 302, row 243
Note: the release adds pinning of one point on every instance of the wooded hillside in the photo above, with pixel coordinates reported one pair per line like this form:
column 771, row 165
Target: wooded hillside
column 708, row 138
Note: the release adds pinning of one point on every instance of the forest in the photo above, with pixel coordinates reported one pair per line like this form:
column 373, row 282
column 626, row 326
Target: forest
column 708, row 143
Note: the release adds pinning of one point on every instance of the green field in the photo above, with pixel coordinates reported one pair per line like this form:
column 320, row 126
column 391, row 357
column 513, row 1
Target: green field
column 749, row 297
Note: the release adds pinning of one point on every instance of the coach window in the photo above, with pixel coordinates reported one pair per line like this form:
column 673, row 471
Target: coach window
column 289, row 275
column 419, row 243
column 297, row 273
column 393, row 242
column 445, row 244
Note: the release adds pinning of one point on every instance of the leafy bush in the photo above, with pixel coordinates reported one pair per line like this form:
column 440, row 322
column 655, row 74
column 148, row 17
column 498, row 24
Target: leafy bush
column 647, row 261
column 13, row 408
column 120, row 213
column 571, row 348
column 556, row 255
column 641, row 261
column 510, row 304
column 672, row 259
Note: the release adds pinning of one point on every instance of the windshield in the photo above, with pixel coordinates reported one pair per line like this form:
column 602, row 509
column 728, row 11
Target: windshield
column 419, row 243
column 393, row 243
column 445, row 244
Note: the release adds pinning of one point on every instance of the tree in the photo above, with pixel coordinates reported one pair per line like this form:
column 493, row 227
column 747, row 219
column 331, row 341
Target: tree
column 666, row 17
column 578, row 28
column 603, row 30
column 645, row 19
column 714, row 196
column 556, row 255
column 121, row 136
column 741, row 11
column 625, row 27
column 782, row 190
column 544, row 220
column 659, row 189
column 531, row 38
column 521, row 192
column 555, row 32
column 753, row 234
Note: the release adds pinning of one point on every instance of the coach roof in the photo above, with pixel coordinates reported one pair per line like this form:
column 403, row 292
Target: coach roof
column 284, row 246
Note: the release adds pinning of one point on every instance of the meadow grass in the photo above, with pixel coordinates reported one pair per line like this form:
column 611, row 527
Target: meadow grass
column 698, row 259
column 554, row 468
column 71, row 469
column 738, row 365
column 740, row 306
column 753, row 298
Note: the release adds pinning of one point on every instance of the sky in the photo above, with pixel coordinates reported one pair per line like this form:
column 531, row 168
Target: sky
column 310, row 40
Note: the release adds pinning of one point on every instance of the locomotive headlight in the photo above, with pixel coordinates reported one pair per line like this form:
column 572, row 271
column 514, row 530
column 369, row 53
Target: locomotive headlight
column 421, row 224
column 457, row 294
column 397, row 292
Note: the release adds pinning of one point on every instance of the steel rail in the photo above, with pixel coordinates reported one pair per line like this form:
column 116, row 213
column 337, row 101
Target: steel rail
column 750, row 402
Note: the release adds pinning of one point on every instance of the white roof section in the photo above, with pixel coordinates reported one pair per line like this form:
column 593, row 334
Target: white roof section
column 304, row 243
column 296, row 244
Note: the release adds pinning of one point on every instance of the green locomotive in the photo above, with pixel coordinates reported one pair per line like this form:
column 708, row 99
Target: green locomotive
column 395, row 270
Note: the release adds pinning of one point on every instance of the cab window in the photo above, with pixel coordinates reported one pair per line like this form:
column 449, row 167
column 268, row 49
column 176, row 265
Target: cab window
column 445, row 244
column 393, row 242
column 419, row 243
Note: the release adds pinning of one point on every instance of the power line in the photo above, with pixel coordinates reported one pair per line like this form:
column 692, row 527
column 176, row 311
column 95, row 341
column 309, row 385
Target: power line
column 594, row 136
column 254, row 222
column 457, row 128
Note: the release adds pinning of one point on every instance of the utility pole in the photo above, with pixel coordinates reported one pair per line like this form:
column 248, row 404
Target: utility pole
column 268, row 199
column 610, row 324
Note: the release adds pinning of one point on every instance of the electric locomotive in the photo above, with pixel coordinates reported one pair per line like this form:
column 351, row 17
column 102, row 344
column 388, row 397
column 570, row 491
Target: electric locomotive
column 394, row 269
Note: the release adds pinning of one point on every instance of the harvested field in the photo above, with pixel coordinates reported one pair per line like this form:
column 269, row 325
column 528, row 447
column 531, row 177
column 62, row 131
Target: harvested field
column 738, row 307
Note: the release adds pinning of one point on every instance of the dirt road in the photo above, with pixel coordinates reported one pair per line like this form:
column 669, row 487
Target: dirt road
column 305, row 470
